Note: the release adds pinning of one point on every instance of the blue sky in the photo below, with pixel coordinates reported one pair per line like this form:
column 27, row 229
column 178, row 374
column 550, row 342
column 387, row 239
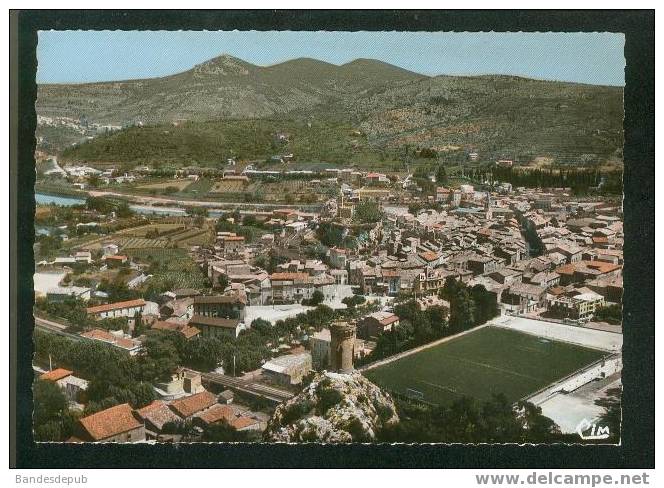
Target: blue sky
column 82, row 56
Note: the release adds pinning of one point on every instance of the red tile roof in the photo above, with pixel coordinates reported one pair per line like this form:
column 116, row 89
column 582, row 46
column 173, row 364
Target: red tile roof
column 183, row 329
column 429, row 255
column 243, row 422
column 217, row 413
column 110, row 422
column 213, row 322
column 158, row 414
column 56, row 374
column 116, row 306
column 289, row 276
column 188, row 406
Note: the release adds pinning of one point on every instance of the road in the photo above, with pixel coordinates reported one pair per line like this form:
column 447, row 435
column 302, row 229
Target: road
column 55, row 328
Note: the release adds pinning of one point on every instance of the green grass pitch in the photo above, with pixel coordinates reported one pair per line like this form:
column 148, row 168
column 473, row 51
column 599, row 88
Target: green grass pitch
column 486, row 361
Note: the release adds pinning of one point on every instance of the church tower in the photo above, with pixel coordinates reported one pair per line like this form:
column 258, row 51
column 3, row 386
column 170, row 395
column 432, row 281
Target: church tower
column 488, row 214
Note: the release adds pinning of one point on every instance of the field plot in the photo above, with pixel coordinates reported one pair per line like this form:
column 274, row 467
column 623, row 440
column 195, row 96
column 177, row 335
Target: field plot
column 171, row 268
column 179, row 184
column 143, row 230
column 198, row 187
column 140, row 243
column 489, row 360
column 229, row 186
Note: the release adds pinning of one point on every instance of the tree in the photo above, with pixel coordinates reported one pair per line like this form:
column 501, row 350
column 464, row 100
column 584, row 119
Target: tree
column 367, row 212
column 51, row 414
column 462, row 311
column 222, row 281
column 161, row 357
column 316, row 299
column 139, row 327
column 123, row 210
column 441, row 176
column 98, row 204
column 261, row 326
column 486, row 304
column 612, row 416
column 353, row 301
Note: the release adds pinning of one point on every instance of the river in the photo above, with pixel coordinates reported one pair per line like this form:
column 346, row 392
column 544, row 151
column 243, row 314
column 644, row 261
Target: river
column 43, row 199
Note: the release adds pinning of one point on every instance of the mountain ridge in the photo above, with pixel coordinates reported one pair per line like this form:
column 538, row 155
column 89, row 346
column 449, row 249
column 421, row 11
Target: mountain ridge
column 395, row 108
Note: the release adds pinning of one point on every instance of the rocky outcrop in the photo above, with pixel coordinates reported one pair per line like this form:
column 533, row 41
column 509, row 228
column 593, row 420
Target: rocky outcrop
column 333, row 408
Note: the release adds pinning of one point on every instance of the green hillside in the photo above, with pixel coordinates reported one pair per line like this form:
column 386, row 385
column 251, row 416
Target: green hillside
column 226, row 107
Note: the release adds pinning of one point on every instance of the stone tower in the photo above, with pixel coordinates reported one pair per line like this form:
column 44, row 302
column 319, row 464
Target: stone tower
column 488, row 213
column 342, row 347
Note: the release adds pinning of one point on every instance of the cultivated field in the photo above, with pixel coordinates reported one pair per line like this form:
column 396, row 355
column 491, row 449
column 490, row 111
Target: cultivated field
column 180, row 184
column 172, row 268
column 228, row 186
column 143, row 230
column 489, row 360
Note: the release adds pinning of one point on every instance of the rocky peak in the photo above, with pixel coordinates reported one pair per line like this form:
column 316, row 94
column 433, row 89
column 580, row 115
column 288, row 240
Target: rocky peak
column 223, row 65
column 333, row 408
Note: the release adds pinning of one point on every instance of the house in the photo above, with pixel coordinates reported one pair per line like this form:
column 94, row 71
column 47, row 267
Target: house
column 443, row 194
column 378, row 179
column 506, row 276
column 319, row 345
column 64, row 261
column 115, row 424
column 155, row 416
column 83, row 257
column 523, row 297
column 377, row 323
column 180, row 309
column 291, row 287
column 221, row 306
column 115, row 261
column 127, row 308
column 65, row 379
column 216, row 326
column 578, row 307
column 431, row 258
column 186, row 330
column 392, row 280
column 181, row 383
column 62, row 293
column 226, row 396
column 232, row 244
column 110, row 249
column 116, row 338
column 289, row 369
column 216, row 413
column 481, row 264
column 338, row 258
column 187, row 407
column 245, row 423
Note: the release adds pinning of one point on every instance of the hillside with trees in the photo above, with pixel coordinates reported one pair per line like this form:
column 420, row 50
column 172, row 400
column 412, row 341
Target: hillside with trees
column 360, row 112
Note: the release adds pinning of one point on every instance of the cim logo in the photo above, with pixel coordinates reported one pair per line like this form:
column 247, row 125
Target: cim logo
column 591, row 431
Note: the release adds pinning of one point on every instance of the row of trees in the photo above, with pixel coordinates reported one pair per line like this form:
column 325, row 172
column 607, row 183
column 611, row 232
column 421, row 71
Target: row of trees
column 416, row 327
column 468, row 420
column 580, row 180
column 469, row 307
column 496, row 420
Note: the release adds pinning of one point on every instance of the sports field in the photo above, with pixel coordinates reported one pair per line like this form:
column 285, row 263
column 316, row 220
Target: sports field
column 489, row 360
